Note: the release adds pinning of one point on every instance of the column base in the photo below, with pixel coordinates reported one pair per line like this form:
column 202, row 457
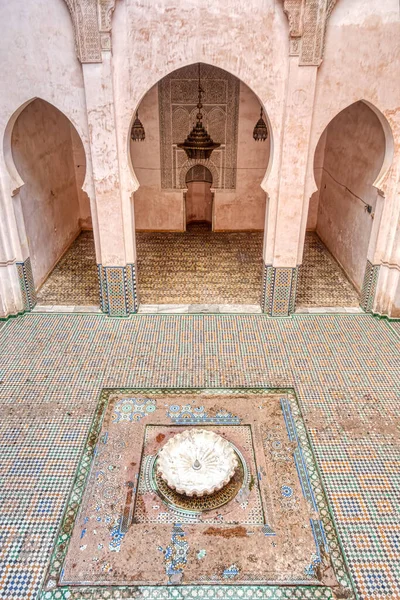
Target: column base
column 118, row 290
column 369, row 287
column 26, row 284
column 279, row 290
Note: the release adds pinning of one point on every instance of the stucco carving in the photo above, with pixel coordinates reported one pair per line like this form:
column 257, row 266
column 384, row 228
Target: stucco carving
column 92, row 26
column 307, row 26
column 177, row 102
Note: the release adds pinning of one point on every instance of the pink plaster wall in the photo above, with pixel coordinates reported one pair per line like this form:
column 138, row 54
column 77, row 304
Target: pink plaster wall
column 239, row 209
column 198, row 202
column 244, row 207
column 155, row 209
column 79, row 160
column 354, row 152
column 42, row 151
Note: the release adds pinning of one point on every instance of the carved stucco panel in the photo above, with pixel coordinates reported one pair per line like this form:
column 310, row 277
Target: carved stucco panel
column 307, row 27
column 92, row 27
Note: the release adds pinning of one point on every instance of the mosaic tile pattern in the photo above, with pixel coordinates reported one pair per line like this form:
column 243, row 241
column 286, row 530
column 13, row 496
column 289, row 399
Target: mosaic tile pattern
column 199, row 267
column 118, row 294
column 321, row 281
column 219, row 268
column 344, row 369
column 279, row 290
column 369, row 286
column 282, row 466
column 26, row 284
column 74, row 280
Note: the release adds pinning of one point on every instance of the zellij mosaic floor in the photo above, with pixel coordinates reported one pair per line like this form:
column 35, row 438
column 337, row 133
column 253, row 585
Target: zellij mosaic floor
column 198, row 267
column 309, row 404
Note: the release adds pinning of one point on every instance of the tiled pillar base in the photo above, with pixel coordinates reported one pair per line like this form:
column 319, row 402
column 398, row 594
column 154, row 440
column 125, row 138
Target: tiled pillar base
column 279, row 290
column 369, row 287
column 26, row 284
column 118, row 294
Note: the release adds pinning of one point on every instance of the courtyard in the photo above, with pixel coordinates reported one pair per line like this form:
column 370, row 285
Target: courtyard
column 342, row 371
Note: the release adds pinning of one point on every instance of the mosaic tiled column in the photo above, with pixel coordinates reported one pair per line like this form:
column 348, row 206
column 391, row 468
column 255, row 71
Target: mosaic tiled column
column 118, row 294
column 369, row 287
column 26, row 284
column 279, row 290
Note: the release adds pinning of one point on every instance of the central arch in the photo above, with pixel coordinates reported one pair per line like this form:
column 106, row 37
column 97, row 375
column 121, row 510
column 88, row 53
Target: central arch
column 231, row 197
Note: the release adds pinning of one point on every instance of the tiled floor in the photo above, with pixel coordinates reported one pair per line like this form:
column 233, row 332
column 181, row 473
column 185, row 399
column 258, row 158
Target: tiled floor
column 198, row 267
column 74, row 280
column 321, row 281
column 344, row 370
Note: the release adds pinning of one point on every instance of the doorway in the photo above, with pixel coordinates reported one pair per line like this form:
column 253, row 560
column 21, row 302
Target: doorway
column 199, row 197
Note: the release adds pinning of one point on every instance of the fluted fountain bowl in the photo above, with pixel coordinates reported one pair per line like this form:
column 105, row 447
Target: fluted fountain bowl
column 196, row 462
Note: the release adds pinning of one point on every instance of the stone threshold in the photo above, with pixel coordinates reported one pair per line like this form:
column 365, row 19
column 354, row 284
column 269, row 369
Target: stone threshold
column 62, row 308
column 146, row 309
column 149, row 309
column 315, row 310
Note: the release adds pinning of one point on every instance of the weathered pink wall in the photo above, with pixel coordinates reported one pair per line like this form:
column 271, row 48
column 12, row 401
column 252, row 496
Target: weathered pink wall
column 354, row 152
column 312, row 216
column 198, row 202
column 155, row 209
column 239, row 209
column 79, row 160
column 244, row 207
column 42, row 151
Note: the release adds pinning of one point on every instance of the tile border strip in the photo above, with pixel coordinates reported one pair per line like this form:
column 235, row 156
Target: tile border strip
column 26, row 284
column 369, row 287
column 323, row 528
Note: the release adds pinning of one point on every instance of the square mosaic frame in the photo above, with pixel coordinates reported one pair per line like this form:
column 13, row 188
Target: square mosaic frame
column 311, row 483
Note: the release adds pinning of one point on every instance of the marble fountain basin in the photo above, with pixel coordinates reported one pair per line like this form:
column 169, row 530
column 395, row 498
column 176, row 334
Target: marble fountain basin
column 197, row 462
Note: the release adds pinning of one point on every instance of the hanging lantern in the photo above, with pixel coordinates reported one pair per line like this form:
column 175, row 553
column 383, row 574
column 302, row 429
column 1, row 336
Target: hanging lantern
column 137, row 132
column 260, row 131
column 199, row 145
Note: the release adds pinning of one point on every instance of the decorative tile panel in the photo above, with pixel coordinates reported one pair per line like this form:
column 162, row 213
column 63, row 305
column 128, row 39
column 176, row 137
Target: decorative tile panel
column 279, row 290
column 26, row 283
column 369, row 287
column 118, row 294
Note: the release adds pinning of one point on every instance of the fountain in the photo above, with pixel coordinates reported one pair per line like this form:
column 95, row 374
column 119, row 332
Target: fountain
column 197, row 462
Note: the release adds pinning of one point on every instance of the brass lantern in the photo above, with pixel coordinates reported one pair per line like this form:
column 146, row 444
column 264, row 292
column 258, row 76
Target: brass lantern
column 199, row 145
column 137, row 132
column 260, row 131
